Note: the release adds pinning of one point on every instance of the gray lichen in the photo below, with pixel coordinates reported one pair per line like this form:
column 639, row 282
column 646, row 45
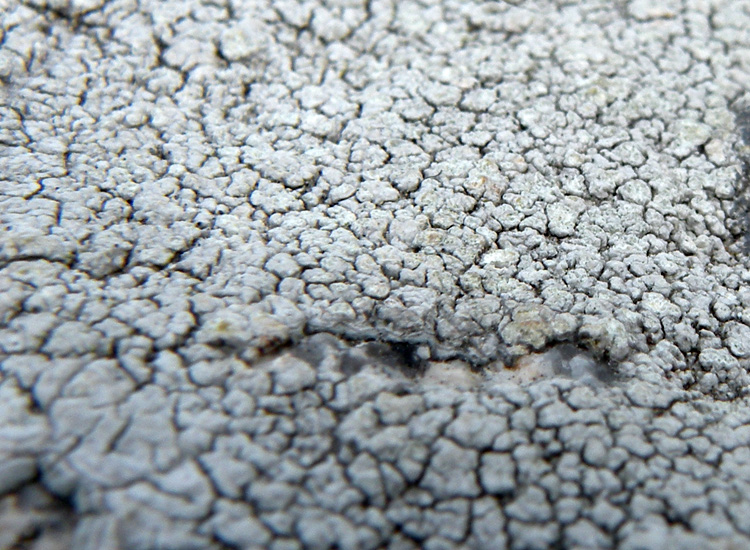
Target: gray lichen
column 367, row 275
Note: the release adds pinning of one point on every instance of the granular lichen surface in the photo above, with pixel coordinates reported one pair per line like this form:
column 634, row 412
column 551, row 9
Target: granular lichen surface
column 349, row 274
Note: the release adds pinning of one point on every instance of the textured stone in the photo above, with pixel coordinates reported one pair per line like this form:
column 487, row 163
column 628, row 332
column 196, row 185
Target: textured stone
column 330, row 274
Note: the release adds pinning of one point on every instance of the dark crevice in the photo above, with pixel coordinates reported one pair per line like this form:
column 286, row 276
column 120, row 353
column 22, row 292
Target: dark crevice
column 35, row 518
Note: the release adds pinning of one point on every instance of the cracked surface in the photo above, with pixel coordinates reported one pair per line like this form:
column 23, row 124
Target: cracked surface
column 374, row 274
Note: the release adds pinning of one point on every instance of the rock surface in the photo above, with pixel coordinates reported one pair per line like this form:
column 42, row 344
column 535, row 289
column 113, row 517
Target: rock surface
column 286, row 274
